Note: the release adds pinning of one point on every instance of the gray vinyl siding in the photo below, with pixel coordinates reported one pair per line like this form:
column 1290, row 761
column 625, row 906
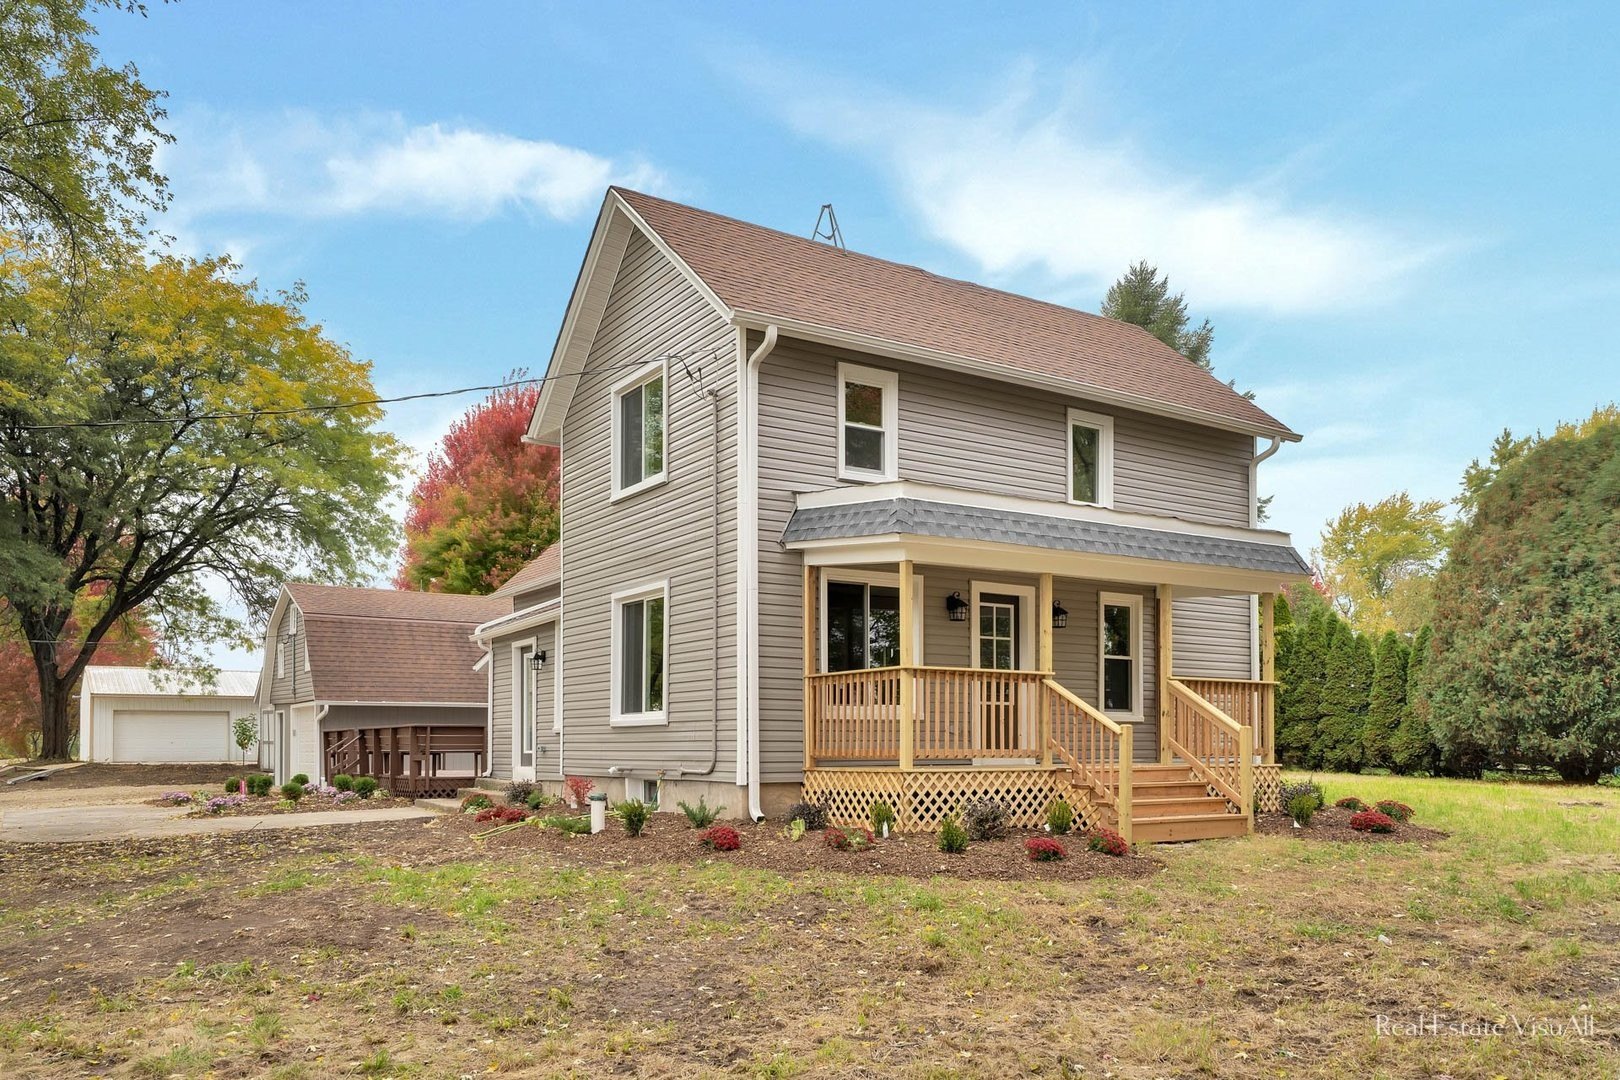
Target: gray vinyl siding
column 295, row 684
column 667, row 532
column 500, row 708
column 974, row 434
column 536, row 597
column 1212, row 637
column 548, row 761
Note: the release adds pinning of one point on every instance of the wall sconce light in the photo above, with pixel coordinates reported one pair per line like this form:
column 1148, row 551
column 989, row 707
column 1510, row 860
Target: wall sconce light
column 537, row 661
column 956, row 607
column 1060, row 616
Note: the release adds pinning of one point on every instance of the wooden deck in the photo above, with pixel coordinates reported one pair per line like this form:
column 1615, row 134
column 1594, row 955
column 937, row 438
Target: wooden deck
column 410, row 760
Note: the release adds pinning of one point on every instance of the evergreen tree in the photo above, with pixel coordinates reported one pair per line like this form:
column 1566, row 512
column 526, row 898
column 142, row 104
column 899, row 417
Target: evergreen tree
column 1386, row 703
column 1412, row 750
column 1142, row 297
column 1301, row 675
column 1346, row 686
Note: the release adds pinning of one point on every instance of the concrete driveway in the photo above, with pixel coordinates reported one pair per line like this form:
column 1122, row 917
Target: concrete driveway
column 77, row 824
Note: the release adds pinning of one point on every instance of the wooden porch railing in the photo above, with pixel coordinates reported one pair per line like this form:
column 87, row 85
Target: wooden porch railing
column 1248, row 702
column 957, row 714
column 1096, row 749
column 1217, row 747
column 405, row 759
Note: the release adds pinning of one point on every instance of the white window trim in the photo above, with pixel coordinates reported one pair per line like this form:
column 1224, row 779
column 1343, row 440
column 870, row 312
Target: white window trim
column 281, row 657
column 645, row 591
column 1104, row 426
column 657, row 369
column 521, row 771
column 1028, row 629
column 1134, row 602
column 869, row 577
column 889, row 383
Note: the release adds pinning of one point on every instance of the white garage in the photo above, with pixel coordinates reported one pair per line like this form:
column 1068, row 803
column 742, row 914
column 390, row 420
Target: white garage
column 137, row 714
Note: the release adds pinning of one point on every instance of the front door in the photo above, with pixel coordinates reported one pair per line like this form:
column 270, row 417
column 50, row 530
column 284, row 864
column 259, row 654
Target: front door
column 1000, row 706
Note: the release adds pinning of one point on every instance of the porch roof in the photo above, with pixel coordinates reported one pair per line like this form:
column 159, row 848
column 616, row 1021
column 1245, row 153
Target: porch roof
column 813, row 525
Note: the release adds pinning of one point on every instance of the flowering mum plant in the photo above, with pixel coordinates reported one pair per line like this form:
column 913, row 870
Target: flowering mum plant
column 175, row 798
column 345, row 797
column 1107, row 841
column 1045, row 849
column 224, row 802
column 502, row 815
column 1372, row 821
column 1397, row 810
column 852, row 839
column 720, row 838
column 1350, row 802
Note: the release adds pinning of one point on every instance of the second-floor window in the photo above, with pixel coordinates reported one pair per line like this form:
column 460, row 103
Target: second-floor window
column 638, row 407
column 1091, row 458
column 868, row 423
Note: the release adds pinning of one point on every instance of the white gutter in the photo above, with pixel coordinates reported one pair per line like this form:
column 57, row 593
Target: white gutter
column 321, row 709
column 748, row 560
column 1254, row 480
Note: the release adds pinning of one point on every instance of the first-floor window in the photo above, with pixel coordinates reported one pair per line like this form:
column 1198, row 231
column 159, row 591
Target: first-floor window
column 863, row 626
column 640, row 653
column 1121, row 654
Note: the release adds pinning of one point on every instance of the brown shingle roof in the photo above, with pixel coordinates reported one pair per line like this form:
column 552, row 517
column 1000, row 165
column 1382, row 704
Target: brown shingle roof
column 389, row 645
column 542, row 570
column 762, row 271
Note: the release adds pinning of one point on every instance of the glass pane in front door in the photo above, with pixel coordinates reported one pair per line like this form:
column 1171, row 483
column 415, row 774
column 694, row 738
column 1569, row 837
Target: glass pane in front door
column 999, row 711
column 998, row 632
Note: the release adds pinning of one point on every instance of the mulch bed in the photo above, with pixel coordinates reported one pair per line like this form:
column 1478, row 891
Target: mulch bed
column 1333, row 823
column 669, row 839
column 95, row 775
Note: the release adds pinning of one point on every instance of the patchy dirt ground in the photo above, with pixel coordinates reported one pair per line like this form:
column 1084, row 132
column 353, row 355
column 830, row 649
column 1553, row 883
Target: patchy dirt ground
column 93, row 783
column 413, row 950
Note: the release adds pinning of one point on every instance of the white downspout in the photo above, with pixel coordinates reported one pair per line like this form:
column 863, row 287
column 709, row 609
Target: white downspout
column 1254, row 480
column 321, row 709
column 748, row 559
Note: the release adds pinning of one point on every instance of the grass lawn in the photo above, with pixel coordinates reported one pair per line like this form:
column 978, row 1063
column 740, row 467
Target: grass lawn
column 404, row 950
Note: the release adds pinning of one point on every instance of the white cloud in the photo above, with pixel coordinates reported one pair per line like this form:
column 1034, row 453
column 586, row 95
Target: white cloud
column 301, row 165
column 1020, row 186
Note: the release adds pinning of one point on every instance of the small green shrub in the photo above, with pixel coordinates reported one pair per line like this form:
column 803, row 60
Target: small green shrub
column 260, row 784
column 292, row 791
column 882, row 817
column 1059, row 817
column 232, row 785
column 634, row 814
column 1350, row 802
column 536, row 800
column 794, row 830
column 475, row 802
column 518, row 792
column 365, row 786
column 1397, row 810
column 298, row 778
column 814, row 815
column 1302, row 787
column 702, row 815
column 1302, row 806
column 985, row 819
column 953, row 839
column 343, row 782
column 568, row 823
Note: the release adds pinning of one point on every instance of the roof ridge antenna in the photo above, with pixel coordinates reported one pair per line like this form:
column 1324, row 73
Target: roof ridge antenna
column 832, row 234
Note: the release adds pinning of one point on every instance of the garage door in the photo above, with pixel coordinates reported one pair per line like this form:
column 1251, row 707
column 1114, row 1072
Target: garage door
column 170, row 736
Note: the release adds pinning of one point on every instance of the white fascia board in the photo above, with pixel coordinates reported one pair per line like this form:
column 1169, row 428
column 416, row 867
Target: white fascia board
column 325, row 703
column 972, row 366
column 990, row 500
column 986, row 556
column 538, row 615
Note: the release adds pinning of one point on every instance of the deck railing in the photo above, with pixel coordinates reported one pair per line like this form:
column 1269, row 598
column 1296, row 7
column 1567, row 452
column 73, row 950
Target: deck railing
column 1095, row 748
column 1248, row 702
column 1217, row 747
column 958, row 714
column 407, row 759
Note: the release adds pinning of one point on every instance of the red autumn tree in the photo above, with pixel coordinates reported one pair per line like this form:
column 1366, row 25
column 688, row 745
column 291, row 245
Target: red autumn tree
column 128, row 643
column 487, row 502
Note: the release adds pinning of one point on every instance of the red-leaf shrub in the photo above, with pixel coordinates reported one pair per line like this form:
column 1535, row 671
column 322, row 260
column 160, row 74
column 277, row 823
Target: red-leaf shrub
column 720, row 838
column 1107, row 841
column 501, row 815
column 579, row 789
column 1372, row 821
column 1045, row 849
column 1397, row 810
column 1350, row 802
column 852, row 839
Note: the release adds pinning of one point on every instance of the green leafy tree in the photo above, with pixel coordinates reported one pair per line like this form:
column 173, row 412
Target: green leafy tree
column 169, row 437
column 1143, row 298
column 76, row 136
column 1379, row 561
column 1386, row 704
column 1412, row 750
column 245, row 732
column 1527, row 614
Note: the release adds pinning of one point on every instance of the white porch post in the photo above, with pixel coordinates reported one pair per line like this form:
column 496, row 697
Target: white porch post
column 810, row 595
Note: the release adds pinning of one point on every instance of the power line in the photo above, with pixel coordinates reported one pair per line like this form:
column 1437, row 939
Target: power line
column 67, row 425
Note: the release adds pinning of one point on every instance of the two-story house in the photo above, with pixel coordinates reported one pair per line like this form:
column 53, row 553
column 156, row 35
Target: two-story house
column 841, row 528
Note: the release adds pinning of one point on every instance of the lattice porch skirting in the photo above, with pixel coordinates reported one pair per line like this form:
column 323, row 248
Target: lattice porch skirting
column 1268, row 788
column 923, row 797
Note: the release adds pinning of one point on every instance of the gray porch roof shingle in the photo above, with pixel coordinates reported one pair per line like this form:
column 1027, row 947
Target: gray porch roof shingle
column 917, row 517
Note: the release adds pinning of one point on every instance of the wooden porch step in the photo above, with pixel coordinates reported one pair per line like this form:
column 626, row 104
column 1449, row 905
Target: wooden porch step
column 1165, row 830
column 1168, row 789
column 1176, row 806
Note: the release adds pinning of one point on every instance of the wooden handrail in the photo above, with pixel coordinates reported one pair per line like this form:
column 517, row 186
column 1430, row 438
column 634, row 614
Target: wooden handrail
column 1181, row 688
column 1095, row 748
column 1080, row 703
column 1216, row 747
column 1235, row 682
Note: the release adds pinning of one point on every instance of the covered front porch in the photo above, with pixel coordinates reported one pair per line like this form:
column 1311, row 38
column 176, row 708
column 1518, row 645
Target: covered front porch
column 931, row 679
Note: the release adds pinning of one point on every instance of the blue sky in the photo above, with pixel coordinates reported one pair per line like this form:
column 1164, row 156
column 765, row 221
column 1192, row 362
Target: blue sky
column 1401, row 221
